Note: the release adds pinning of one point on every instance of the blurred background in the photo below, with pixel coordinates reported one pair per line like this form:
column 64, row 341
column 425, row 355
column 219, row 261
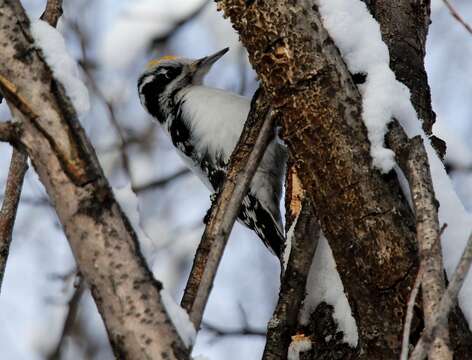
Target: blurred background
column 45, row 310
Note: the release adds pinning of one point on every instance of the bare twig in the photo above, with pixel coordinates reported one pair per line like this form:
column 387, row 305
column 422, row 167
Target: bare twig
column 409, row 315
column 243, row 331
column 53, row 12
column 448, row 301
column 292, row 292
column 457, row 16
column 159, row 183
column 166, row 37
column 257, row 133
column 16, row 175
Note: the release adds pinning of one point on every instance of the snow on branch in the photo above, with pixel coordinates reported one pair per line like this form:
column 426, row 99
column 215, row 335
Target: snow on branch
column 64, row 67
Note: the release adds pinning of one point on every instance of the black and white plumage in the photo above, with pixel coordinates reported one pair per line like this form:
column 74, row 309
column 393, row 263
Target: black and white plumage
column 205, row 124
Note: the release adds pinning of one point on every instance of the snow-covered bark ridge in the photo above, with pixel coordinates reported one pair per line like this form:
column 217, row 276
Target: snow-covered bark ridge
column 64, row 67
column 358, row 37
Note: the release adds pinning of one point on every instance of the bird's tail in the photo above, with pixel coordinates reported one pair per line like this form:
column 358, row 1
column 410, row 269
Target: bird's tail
column 256, row 217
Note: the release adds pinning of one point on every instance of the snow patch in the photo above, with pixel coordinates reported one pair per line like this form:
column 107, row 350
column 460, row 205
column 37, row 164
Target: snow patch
column 63, row 66
column 324, row 285
column 358, row 37
column 299, row 344
column 179, row 318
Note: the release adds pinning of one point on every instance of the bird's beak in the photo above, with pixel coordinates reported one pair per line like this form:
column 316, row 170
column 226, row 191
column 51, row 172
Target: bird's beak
column 203, row 65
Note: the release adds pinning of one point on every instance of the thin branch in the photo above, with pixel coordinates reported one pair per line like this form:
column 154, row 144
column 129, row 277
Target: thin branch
column 53, row 12
column 257, row 133
column 165, row 38
column 243, row 331
column 413, row 160
column 16, row 175
column 457, row 16
column 79, row 289
column 160, row 183
column 429, row 245
column 304, row 241
column 448, row 301
column 409, row 316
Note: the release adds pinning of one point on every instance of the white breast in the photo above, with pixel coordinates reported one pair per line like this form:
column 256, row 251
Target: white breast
column 216, row 118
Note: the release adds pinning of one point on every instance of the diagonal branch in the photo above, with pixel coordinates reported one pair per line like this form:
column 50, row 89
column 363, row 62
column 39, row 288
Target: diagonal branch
column 412, row 157
column 160, row 183
column 448, row 302
column 16, row 175
column 409, row 316
column 455, row 14
column 256, row 135
column 304, row 241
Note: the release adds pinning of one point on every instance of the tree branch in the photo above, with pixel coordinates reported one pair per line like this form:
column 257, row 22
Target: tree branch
column 413, row 159
column 304, row 241
column 257, row 133
column 448, row 302
column 159, row 183
column 409, row 316
column 16, row 175
column 104, row 244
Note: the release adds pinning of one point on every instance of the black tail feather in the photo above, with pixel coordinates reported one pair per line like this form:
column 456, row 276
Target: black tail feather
column 260, row 220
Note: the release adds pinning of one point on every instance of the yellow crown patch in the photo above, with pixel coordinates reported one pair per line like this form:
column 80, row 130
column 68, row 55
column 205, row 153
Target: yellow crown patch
column 156, row 62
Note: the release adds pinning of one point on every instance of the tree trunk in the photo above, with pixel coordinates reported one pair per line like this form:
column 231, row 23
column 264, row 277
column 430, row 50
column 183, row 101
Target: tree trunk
column 368, row 223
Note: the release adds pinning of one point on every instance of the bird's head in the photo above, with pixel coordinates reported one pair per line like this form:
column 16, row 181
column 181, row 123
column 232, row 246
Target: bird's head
column 170, row 74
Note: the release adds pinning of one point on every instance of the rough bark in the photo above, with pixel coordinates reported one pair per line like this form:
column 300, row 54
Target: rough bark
column 284, row 321
column 257, row 133
column 102, row 240
column 363, row 214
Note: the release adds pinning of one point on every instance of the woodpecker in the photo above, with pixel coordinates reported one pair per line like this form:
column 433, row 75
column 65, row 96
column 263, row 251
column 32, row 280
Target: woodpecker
column 204, row 125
